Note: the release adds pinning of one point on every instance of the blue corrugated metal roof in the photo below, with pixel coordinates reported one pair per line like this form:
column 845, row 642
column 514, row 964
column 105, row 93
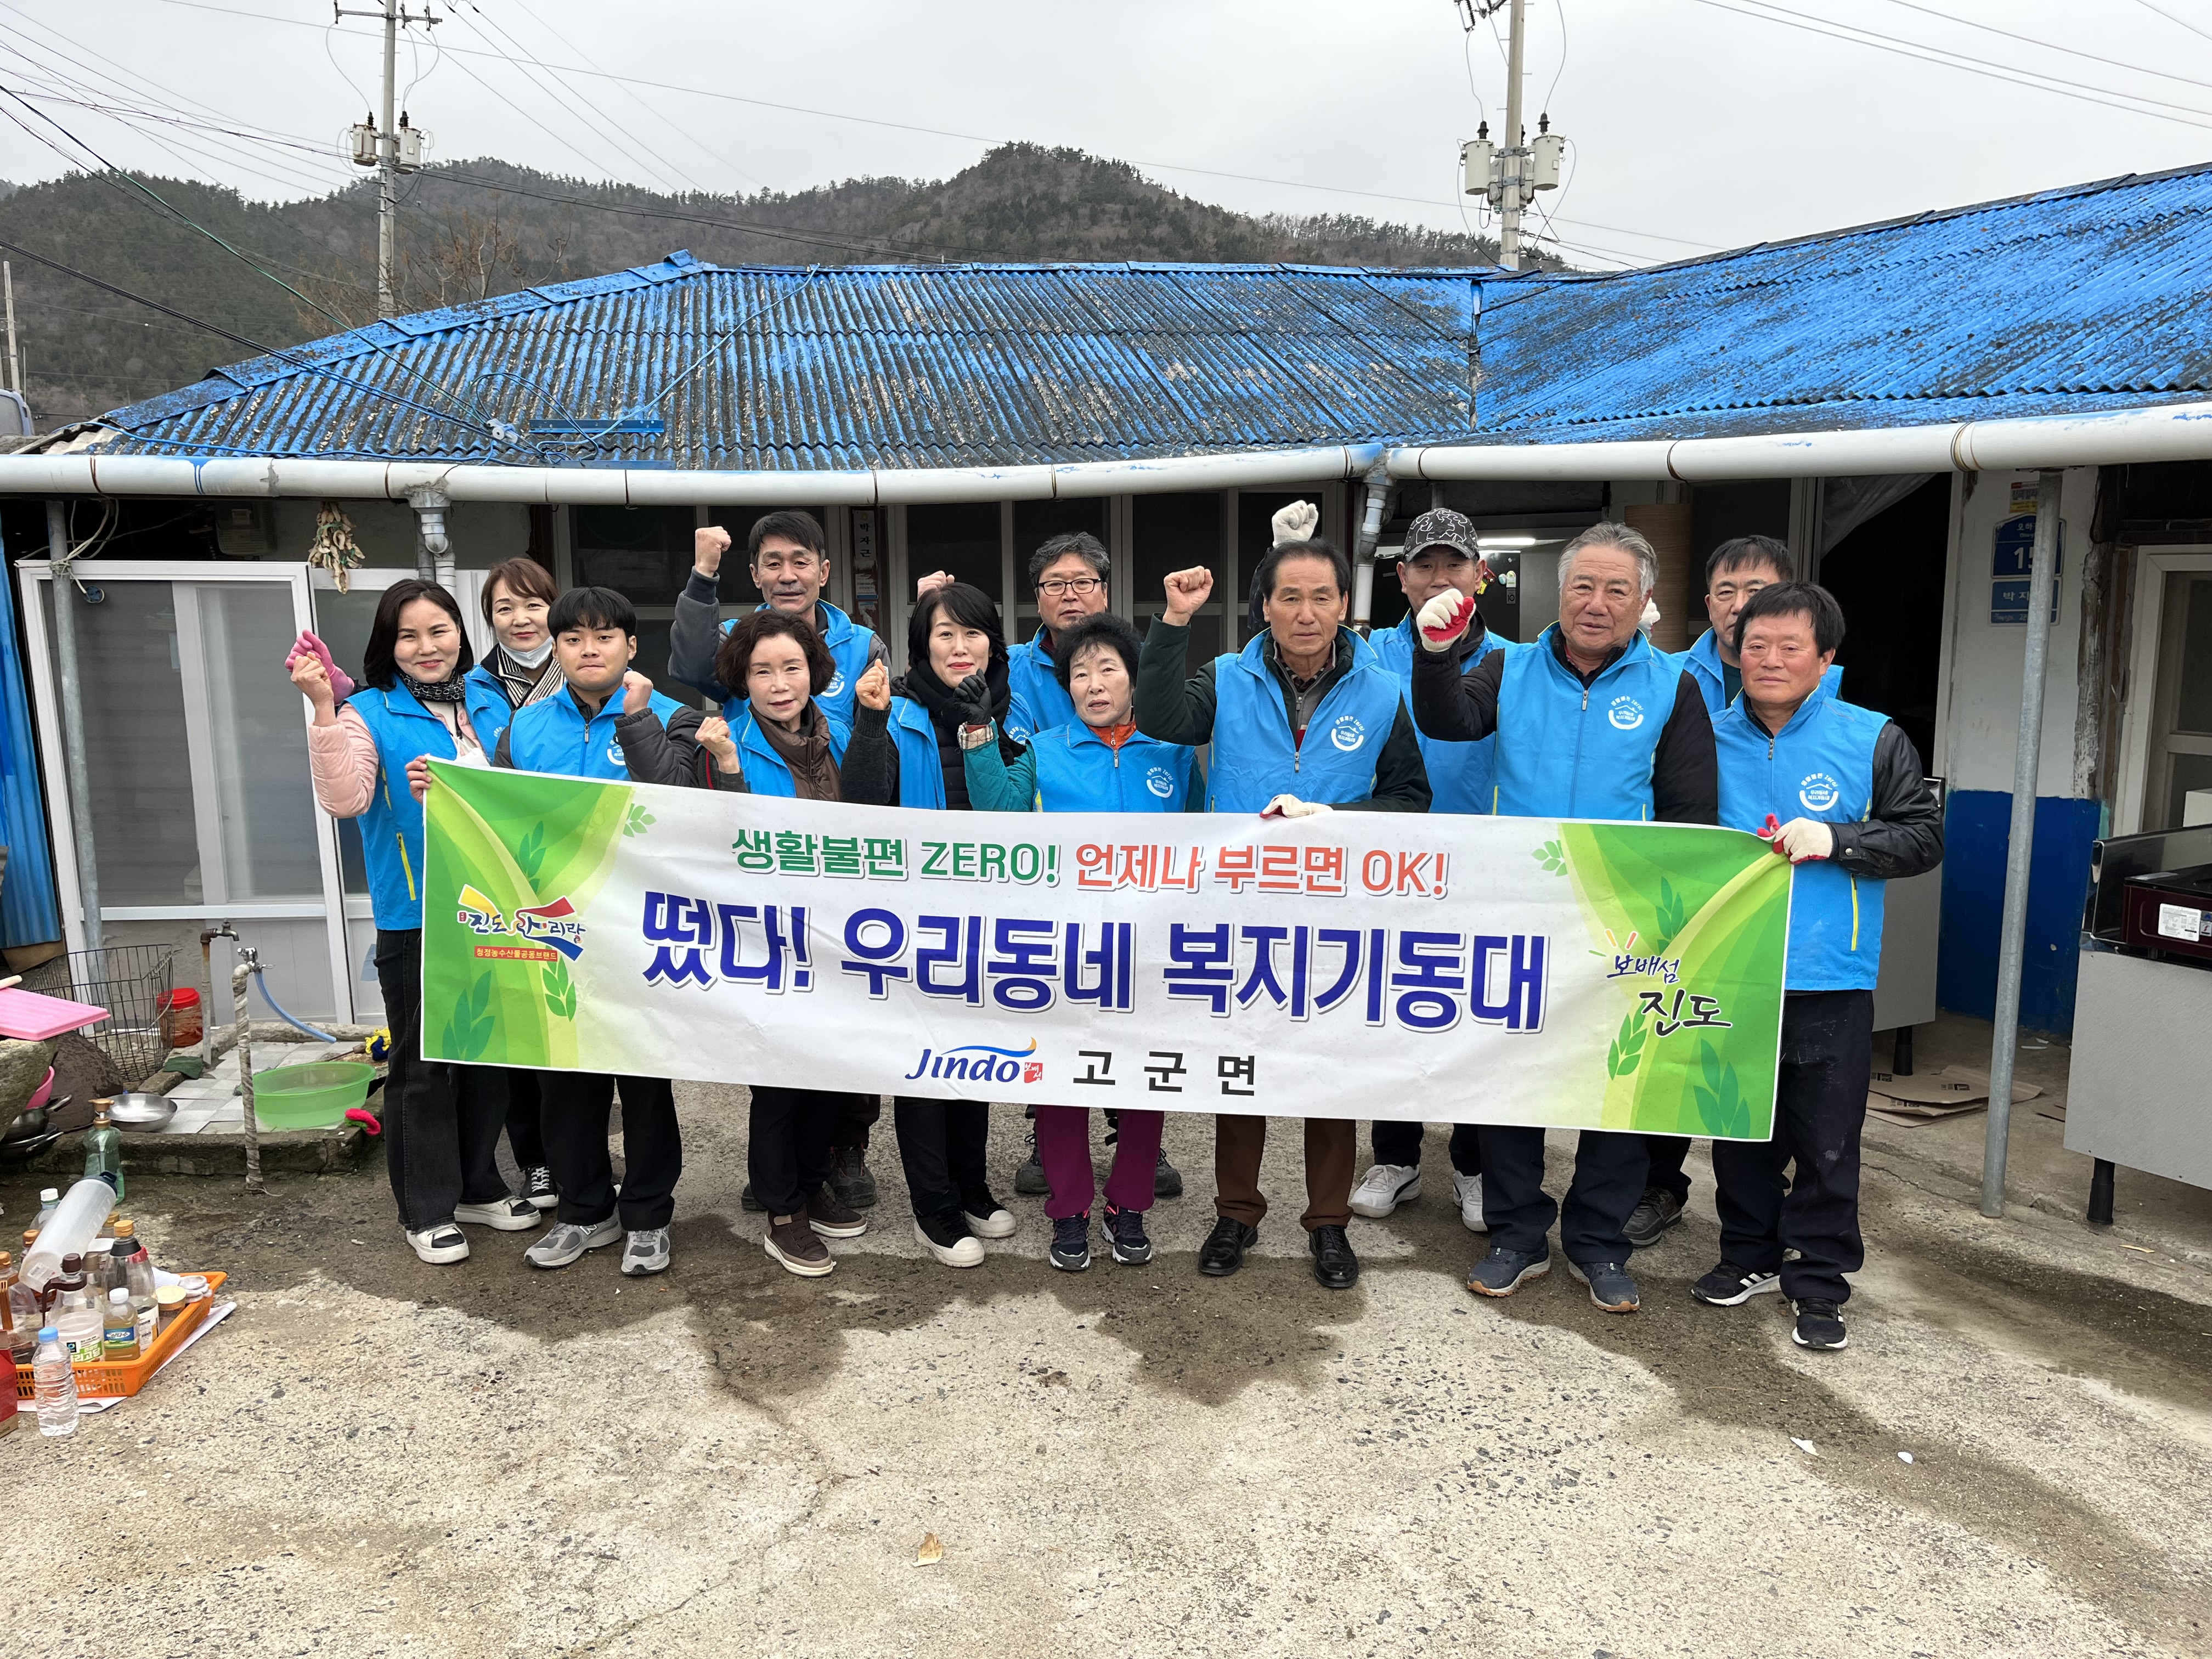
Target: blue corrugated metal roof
column 2075, row 300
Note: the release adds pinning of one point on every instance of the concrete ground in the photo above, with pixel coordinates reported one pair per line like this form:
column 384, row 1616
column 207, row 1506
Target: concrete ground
column 372, row 1456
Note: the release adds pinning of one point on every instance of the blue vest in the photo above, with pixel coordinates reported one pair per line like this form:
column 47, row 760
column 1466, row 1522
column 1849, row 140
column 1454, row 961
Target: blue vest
column 489, row 709
column 1820, row 766
column 555, row 735
column 1702, row 661
column 1030, row 677
column 1256, row 758
column 1076, row 772
column 921, row 770
column 766, row 772
column 848, row 642
column 1567, row 752
column 1462, row 776
column 391, row 828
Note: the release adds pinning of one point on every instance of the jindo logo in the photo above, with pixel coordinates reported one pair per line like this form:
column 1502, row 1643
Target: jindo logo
column 1817, row 791
column 978, row 1062
column 1347, row 733
column 551, row 924
column 1626, row 714
column 1160, row 781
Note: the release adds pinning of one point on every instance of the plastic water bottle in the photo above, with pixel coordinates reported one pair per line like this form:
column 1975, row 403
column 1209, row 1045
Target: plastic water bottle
column 55, row 1384
column 49, row 1200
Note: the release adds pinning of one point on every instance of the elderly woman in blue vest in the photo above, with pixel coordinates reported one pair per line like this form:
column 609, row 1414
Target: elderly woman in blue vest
column 441, row 1122
column 1303, row 670
column 574, row 733
column 1592, row 722
column 1844, row 785
column 1441, row 556
column 1098, row 762
column 906, row 751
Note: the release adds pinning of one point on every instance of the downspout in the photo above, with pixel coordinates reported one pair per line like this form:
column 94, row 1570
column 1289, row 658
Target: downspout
column 433, row 550
column 72, row 696
column 1362, row 554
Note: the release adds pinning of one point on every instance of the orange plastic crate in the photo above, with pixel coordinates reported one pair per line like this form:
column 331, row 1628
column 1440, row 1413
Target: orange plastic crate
column 118, row 1379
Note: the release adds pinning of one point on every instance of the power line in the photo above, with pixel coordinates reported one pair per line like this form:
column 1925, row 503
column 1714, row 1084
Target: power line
column 2051, row 45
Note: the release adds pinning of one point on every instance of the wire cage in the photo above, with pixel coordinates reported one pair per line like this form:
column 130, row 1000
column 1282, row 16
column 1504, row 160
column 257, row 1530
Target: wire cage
column 132, row 982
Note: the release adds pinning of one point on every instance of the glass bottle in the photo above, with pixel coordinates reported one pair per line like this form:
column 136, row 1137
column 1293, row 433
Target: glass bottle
column 55, row 1384
column 115, row 1275
column 138, row 1279
column 19, row 1313
column 103, row 1149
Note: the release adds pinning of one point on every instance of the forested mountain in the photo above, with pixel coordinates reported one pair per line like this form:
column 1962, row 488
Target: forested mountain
column 473, row 229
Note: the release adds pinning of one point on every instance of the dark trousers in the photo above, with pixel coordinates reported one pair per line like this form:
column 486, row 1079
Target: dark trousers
column 856, row 1115
column 941, row 1143
column 787, row 1146
column 525, row 1138
column 1666, row 1173
column 573, row 1110
column 441, row 1121
column 1331, row 1149
column 1063, row 1139
column 1400, row 1144
column 1608, row 1180
column 1820, row 1106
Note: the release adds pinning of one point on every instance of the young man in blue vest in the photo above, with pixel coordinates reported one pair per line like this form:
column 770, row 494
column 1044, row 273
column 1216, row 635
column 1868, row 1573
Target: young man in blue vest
column 790, row 565
column 1441, row 556
column 573, row 733
column 1303, row 670
column 1592, row 722
column 1844, row 785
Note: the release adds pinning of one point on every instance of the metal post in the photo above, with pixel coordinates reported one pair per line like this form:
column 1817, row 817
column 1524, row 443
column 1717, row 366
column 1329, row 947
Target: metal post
column 72, row 696
column 387, row 169
column 2012, row 947
column 1515, row 154
column 15, row 357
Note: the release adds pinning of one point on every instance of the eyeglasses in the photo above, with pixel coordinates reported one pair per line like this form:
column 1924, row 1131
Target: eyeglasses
column 1078, row 586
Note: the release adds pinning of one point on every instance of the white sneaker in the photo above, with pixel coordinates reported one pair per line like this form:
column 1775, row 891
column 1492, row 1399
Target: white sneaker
column 441, row 1244
column 966, row 1251
column 1468, row 1190
column 508, row 1215
column 999, row 1223
column 1387, row 1187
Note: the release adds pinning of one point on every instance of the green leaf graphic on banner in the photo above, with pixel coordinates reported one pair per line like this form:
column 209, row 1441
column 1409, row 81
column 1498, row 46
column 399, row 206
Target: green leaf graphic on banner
column 1551, row 858
column 559, row 990
column 639, row 821
column 1671, row 915
column 470, row 1028
column 1721, row 1104
column 1625, row 1050
column 530, row 852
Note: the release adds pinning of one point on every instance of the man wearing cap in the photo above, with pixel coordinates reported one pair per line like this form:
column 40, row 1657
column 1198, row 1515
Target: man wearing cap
column 1441, row 556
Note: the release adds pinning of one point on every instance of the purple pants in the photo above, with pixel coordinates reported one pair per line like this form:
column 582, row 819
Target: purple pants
column 1063, row 1134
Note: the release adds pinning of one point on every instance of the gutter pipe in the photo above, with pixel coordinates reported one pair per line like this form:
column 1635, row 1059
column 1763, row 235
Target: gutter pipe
column 1363, row 553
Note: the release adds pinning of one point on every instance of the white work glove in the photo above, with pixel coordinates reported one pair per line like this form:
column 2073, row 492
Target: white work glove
column 1295, row 523
column 1442, row 620
column 1290, row 807
column 1650, row 619
column 1805, row 838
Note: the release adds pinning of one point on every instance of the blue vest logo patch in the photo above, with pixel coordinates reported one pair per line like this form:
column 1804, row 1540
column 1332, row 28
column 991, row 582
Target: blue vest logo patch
column 836, row 684
column 1626, row 714
column 1160, row 781
column 1817, row 791
column 614, row 753
column 1348, row 733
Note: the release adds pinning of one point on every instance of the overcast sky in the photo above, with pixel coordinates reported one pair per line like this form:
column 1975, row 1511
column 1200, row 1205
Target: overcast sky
column 1696, row 124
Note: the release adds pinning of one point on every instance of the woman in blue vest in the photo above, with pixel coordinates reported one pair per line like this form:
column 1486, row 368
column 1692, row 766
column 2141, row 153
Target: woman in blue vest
column 1305, row 719
column 906, row 751
column 1097, row 762
column 441, row 1122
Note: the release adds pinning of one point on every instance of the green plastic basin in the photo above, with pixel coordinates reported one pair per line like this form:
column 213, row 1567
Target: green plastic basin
column 315, row 1096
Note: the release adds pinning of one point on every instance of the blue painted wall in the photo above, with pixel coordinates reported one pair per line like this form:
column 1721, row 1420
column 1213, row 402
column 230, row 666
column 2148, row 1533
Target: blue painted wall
column 1978, row 831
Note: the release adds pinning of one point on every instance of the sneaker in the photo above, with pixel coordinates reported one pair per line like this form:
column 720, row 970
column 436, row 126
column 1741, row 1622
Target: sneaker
column 1071, row 1243
column 508, row 1215
column 1222, row 1252
column 827, row 1216
column 1503, row 1272
column 947, row 1239
column 1125, row 1229
column 1466, row 1193
column 646, row 1254
column 1029, row 1180
column 748, row 1200
column 1820, row 1325
column 441, row 1244
column 1731, row 1287
column 851, row 1179
column 1654, row 1213
column 985, row 1216
column 1610, row 1286
column 792, row 1242
column 1167, row 1180
column 537, row 1187
column 1334, row 1266
column 565, row 1241
column 1387, row 1187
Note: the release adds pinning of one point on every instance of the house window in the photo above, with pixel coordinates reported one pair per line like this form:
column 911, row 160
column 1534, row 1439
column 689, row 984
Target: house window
column 959, row 538
column 644, row 553
column 1174, row 532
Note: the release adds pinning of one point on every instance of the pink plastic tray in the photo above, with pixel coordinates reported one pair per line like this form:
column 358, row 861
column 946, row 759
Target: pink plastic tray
column 28, row 1015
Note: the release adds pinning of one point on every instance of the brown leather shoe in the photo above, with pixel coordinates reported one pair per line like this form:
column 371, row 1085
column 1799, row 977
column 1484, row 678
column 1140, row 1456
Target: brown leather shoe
column 832, row 1219
column 792, row 1243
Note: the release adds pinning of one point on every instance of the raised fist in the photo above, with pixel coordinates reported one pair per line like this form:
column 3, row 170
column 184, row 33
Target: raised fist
column 1186, row 591
column 713, row 735
column 925, row 585
column 1443, row 619
column 874, row 691
column 342, row 685
column 637, row 692
column 1295, row 523
column 313, row 679
column 708, row 544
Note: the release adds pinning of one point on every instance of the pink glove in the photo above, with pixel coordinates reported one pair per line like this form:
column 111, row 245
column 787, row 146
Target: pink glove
column 307, row 645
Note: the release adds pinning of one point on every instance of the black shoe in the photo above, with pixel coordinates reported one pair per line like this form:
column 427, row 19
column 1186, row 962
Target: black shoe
column 1029, row 1180
column 537, row 1187
column 1071, row 1243
column 851, row 1181
column 1654, row 1213
column 1222, row 1252
column 1335, row 1266
column 747, row 1200
column 1125, row 1230
column 1820, row 1325
column 1167, row 1180
column 1731, row 1287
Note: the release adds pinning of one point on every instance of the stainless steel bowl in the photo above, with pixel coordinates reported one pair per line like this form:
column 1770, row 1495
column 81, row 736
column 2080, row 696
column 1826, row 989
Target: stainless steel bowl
column 137, row 1110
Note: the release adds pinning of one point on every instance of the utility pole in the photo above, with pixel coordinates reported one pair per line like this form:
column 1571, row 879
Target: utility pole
column 1509, row 176
column 390, row 147
column 15, row 357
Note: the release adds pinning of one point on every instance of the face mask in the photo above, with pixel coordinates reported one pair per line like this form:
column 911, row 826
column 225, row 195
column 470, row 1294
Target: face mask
column 530, row 658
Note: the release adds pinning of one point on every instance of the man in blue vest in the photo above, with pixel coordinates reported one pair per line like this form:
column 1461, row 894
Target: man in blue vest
column 573, row 733
column 1305, row 674
column 1844, row 785
column 1441, row 556
column 1592, row 722
column 791, row 566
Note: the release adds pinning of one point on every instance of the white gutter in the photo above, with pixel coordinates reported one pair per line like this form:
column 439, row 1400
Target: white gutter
column 2178, row 432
